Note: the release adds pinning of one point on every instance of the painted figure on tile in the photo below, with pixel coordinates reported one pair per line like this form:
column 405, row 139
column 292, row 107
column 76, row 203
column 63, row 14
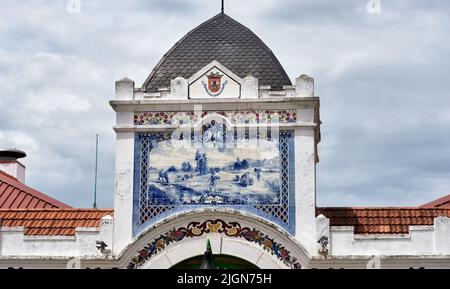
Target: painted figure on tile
column 213, row 181
column 258, row 173
column 163, row 177
column 246, row 180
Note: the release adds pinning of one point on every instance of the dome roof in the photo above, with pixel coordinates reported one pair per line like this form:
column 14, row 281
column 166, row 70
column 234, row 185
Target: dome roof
column 225, row 40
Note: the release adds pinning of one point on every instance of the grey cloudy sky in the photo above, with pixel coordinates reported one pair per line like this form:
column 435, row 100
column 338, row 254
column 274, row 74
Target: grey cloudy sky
column 383, row 79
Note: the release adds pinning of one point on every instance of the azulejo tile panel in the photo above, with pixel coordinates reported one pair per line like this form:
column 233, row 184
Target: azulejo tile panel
column 230, row 229
column 218, row 167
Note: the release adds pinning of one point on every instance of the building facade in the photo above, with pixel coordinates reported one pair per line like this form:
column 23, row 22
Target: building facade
column 219, row 144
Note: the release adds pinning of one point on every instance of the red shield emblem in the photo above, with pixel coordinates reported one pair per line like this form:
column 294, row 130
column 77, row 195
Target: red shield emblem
column 214, row 82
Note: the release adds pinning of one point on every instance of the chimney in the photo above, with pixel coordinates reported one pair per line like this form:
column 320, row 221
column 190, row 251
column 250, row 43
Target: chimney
column 10, row 165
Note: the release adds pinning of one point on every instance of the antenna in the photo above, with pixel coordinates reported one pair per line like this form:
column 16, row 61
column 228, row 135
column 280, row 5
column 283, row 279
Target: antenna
column 95, row 178
column 223, row 6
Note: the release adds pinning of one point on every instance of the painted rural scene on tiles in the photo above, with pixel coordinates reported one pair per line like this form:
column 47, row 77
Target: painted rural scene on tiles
column 208, row 175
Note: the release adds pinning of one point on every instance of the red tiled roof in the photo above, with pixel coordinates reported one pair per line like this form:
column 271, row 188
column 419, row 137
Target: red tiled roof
column 14, row 194
column 443, row 202
column 52, row 222
column 381, row 220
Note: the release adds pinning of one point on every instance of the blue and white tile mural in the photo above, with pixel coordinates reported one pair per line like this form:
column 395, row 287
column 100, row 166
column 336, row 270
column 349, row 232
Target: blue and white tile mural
column 208, row 175
column 214, row 168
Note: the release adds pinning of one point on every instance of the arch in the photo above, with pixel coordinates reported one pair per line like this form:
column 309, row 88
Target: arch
column 220, row 261
column 231, row 232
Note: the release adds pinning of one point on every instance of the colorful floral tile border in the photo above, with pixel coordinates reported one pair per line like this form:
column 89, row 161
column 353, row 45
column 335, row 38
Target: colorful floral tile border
column 230, row 229
column 235, row 117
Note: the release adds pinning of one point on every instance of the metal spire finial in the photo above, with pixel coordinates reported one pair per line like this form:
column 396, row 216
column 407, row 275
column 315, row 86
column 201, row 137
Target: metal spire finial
column 94, row 205
column 223, row 6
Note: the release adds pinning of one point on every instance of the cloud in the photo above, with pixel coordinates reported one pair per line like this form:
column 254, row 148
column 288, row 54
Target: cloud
column 382, row 78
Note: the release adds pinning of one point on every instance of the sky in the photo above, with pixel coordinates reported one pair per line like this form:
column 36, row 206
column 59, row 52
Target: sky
column 382, row 74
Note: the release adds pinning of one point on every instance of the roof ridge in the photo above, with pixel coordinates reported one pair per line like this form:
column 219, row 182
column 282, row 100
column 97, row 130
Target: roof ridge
column 438, row 202
column 13, row 182
column 8, row 175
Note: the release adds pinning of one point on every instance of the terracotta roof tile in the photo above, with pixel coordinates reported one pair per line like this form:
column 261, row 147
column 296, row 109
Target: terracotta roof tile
column 52, row 221
column 14, row 194
column 382, row 220
column 443, row 202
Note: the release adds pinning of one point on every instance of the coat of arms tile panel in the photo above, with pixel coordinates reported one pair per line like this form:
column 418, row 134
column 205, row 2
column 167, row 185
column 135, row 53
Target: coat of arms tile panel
column 214, row 166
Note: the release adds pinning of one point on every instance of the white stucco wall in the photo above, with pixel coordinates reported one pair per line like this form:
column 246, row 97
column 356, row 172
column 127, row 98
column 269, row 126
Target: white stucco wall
column 13, row 242
column 305, row 188
column 123, row 196
column 421, row 241
column 15, row 169
column 442, row 235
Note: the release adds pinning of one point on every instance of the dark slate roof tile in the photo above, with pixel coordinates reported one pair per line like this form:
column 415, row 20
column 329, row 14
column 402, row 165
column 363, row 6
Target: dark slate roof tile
column 227, row 41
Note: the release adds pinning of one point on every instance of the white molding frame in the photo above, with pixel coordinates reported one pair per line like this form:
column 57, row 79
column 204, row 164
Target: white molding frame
column 219, row 66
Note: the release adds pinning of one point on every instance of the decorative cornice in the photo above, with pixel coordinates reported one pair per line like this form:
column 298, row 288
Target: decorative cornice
column 215, row 104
